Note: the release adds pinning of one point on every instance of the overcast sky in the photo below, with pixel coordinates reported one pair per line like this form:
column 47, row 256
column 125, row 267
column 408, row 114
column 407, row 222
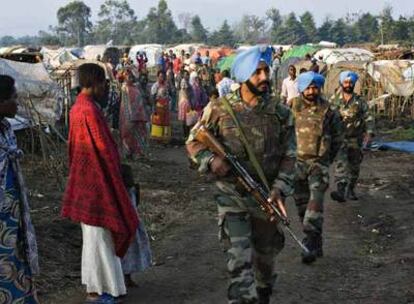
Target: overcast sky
column 21, row 17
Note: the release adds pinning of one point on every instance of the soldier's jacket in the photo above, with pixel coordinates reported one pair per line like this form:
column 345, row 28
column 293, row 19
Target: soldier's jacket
column 319, row 131
column 355, row 114
column 269, row 128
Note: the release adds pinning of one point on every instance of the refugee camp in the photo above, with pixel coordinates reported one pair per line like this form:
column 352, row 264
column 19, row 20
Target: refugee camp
column 204, row 152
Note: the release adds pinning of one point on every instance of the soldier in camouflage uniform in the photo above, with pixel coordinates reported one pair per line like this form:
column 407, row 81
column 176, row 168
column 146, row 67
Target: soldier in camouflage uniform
column 319, row 137
column 359, row 128
column 253, row 240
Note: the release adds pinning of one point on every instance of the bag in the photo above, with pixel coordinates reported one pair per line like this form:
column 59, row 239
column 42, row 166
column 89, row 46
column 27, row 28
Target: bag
column 191, row 118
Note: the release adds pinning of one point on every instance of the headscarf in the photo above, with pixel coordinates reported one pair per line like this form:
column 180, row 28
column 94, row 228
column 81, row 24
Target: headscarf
column 308, row 78
column 247, row 61
column 348, row 75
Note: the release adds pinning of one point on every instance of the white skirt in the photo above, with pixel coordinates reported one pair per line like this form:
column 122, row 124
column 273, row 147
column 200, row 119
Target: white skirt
column 101, row 267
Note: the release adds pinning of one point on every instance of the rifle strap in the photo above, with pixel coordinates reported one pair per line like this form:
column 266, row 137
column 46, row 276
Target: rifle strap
column 250, row 153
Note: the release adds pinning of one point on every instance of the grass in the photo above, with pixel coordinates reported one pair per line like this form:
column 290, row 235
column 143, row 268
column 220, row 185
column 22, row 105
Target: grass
column 399, row 134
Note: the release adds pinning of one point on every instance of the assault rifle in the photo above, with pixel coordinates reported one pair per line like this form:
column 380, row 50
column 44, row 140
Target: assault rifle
column 275, row 211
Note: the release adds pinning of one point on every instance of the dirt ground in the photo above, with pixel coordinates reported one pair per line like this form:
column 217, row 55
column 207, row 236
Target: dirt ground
column 369, row 244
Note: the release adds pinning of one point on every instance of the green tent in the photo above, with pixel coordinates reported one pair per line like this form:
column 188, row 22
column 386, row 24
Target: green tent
column 300, row 51
column 226, row 62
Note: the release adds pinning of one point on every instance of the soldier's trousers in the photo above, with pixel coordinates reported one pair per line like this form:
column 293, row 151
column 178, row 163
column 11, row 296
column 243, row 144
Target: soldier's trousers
column 348, row 163
column 253, row 244
column 311, row 183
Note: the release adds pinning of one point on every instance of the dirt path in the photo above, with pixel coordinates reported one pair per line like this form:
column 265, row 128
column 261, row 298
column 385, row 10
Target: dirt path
column 369, row 252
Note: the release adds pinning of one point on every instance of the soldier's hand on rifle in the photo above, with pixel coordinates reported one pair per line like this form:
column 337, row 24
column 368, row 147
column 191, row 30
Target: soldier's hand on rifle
column 276, row 198
column 219, row 166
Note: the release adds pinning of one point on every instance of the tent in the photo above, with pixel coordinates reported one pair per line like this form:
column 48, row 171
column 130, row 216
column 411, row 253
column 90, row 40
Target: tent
column 332, row 77
column 91, row 52
column 153, row 51
column 300, row 51
column 216, row 53
column 332, row 56
column 54, row 58
column 40, row 98
column 394, row 76
column 226, row 62
column 190, row 48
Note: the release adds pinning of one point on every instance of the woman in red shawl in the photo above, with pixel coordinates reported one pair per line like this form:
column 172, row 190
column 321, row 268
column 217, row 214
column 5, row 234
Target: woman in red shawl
column 132, row 119
column 95, row 194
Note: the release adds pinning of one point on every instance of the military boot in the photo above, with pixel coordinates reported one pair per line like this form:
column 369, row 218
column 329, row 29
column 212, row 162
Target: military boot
column 351, row 192
column 309, row 257
column 339, row 194
column 264, row 295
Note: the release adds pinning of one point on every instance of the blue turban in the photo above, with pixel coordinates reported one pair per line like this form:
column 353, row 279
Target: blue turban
column 348, row 74
column 308, row 78
column 247, row 61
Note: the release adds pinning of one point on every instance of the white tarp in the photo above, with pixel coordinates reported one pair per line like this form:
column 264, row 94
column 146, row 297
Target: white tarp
column 153, row 51
column 395, row 76
column 55, row 58
column 332, row 56
column 190, row 48
column 91, row 52
column 40, row 98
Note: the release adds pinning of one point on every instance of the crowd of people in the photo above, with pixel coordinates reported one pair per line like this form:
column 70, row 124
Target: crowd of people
column 288, row 143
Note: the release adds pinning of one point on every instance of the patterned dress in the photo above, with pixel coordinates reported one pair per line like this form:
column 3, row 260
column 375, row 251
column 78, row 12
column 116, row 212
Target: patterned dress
column 18, row 248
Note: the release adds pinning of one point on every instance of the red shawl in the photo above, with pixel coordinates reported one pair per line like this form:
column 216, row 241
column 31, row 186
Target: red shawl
column 95, row 193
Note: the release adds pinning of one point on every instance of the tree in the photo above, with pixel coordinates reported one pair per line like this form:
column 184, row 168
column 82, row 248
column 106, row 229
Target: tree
column 387, row 25
column 273, row 15
column 366, row 28
column 341, row 32
column 7, row 41
column 292, row 31
column 308, row 24
column 46, row 38
column 324, row 32
column 74, row 21
column 160, row 26
column 117, row 20
column 401, row 29
column 224, row 36
column 184, row 20
column 198, row 32
column 251, row 29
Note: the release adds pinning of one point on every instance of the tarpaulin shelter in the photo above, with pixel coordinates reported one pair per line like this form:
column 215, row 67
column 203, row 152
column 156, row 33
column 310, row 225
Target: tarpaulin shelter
column 40, row 98
column 300, row 51
column 394, row 76
column 216, row 53
column 91, row 52
column 332, row 56
column 189, row 48
column 54, row 58
column 226, row 62
column 332, row 77
column 153, row 51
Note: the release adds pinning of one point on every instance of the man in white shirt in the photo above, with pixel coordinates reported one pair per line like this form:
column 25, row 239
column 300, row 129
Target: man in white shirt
column 224, row 86
column 290, row 86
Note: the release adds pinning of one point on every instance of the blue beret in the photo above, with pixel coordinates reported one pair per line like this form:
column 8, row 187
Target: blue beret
column 308, row 78
column 348, row 74
column 247, row 61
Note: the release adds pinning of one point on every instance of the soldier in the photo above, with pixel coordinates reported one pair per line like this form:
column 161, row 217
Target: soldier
column 319, row 137
column 253, row 240
column 359, row 129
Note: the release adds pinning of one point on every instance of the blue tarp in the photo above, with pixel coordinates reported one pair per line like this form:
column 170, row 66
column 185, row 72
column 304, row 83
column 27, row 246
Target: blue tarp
column 403, row 146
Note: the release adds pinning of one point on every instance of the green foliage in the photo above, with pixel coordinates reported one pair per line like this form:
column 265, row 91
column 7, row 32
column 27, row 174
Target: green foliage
column 74, row 22
column 115, row 23
column 223, row 36
column 308, row 24
column 251, row 29
column 198, row 32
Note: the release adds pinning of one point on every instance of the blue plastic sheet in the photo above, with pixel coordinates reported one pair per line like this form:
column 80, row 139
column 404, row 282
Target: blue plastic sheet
column 403, row 146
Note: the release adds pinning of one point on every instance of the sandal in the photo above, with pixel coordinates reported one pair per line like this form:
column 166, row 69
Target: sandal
column 102, row 299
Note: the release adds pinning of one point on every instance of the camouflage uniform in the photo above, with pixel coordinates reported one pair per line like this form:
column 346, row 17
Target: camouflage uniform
column 319, row 137
column 357, row 122
column 253, row 240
